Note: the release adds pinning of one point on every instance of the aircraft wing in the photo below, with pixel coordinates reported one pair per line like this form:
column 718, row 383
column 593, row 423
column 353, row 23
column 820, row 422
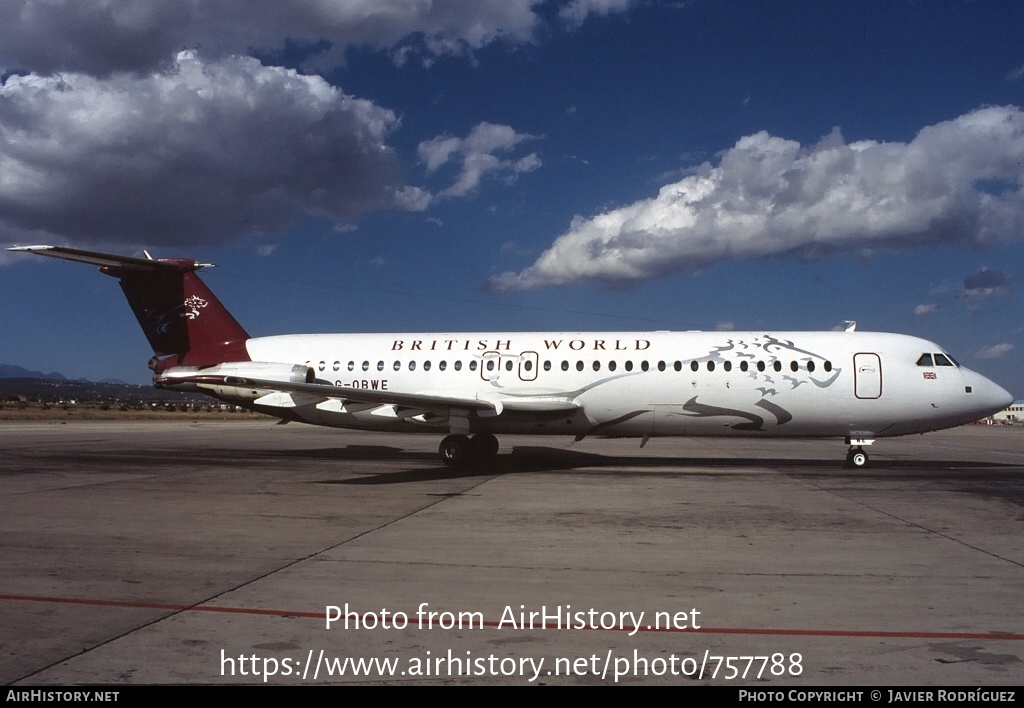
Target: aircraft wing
column 419, row 401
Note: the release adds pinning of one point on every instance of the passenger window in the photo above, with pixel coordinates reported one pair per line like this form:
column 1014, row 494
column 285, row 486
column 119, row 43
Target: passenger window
column 398, row 365
column 458, row 366
column 579, row 366
column 565, row 366
column 472, row 365
column 597, row 366
column 611, row 365
column 366, row 366
column 777, row 366
column 547, row 366
column 528, row 365
column 925, row 360
column 442, row 365
column 629, row 366
column 810, row 366
column 678, row 366
column 793, row 366
column 643, row 366
column 351, row 366
column 508, row 365
column 694, row 366
column 727, row 366
column 323, row 365
column 661, row 366
column 744, row 365
column 337, row 365
column 711, row 366
column 490, row 364
column 380, row 366
column 827, row 366
column 760, row 366
column 412, row 366
column 426, row 366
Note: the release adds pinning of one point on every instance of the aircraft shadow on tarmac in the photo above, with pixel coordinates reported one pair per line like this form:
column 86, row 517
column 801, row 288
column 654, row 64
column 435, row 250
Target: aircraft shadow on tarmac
column 544, row 459
column 524, row 459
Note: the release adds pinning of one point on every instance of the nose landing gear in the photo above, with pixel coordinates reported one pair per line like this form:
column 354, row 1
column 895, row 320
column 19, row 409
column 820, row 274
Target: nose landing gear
column 856, row 457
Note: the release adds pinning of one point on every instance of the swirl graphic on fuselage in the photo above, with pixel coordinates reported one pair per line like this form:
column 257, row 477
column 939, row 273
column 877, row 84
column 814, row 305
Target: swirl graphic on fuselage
column 771, row 365
column 774, row 366
column 773, row 352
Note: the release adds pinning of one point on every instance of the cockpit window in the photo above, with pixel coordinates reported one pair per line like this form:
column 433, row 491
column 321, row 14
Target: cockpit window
column 941, row 360
column 925, row 360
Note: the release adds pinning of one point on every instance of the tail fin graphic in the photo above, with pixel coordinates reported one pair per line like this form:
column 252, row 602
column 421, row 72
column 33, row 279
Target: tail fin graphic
column 184, row 322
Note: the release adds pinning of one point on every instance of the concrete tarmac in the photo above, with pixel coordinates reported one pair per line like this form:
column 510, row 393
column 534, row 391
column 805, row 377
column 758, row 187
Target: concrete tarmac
column 210, row 552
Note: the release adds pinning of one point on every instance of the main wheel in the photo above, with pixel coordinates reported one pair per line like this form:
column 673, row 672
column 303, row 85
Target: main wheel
column 455, row 450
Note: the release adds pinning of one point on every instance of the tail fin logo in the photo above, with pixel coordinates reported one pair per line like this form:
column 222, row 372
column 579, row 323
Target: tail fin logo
column 192, row 306
column 188, row 310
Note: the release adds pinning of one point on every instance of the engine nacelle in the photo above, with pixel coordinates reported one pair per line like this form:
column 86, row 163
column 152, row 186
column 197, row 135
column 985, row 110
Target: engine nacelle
column 232, row 379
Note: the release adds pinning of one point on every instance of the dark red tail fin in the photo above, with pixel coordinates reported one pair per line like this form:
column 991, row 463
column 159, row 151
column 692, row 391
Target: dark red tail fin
column 184, row 322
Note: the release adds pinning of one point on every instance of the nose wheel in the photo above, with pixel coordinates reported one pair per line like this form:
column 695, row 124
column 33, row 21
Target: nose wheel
column 857, row 458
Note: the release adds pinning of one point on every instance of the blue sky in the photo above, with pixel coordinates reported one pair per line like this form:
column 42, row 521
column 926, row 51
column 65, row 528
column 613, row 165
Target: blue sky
column 518, row 165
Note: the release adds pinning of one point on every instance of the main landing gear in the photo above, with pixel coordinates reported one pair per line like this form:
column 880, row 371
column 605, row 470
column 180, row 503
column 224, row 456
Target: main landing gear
column 462, row 450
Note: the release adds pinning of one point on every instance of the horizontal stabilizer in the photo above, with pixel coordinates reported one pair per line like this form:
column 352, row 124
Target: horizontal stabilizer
column 109, row 260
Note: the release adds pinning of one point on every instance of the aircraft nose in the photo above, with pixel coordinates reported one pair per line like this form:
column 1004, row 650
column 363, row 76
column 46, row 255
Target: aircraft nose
column 990, row 396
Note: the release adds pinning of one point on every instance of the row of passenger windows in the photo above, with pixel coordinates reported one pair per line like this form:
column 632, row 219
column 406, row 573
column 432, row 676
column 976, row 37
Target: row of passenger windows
column 493, row 364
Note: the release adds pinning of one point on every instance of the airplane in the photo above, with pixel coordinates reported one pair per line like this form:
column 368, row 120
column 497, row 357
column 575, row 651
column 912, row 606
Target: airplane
column 470, row 387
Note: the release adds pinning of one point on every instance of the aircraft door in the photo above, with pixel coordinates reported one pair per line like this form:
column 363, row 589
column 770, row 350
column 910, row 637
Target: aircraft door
column 528, row 366
column 867, row 375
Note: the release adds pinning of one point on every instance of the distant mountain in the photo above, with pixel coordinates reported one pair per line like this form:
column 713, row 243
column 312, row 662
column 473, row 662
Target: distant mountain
column 10, row 371
column 55, row 390
column 34, row 385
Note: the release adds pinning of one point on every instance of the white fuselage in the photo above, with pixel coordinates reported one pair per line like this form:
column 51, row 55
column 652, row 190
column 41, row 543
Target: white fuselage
column 802, row 384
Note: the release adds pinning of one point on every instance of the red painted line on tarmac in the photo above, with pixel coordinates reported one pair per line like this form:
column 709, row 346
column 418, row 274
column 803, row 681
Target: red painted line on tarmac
column 492, row 624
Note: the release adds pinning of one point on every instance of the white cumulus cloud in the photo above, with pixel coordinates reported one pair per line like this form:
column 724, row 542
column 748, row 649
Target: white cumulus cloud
column 996, row 351
column 959, row 181
column 476, row 156
column 926, row 309
column 200, row 152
